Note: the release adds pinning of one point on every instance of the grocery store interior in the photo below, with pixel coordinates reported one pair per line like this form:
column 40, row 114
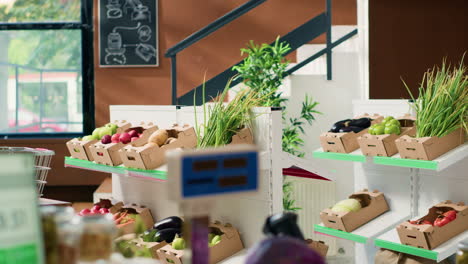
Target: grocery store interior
column 233, row 132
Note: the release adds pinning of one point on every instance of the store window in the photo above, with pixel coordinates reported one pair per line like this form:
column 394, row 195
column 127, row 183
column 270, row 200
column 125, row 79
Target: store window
column 46, row 68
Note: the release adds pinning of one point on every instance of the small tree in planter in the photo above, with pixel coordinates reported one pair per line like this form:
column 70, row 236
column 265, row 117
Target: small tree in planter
column 263, row 71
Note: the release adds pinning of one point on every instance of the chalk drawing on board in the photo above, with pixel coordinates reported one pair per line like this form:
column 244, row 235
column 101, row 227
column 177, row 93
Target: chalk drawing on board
column 138, row 10
column 145, row 51
column 115, row 51
column 114, row 9
column 144, row 33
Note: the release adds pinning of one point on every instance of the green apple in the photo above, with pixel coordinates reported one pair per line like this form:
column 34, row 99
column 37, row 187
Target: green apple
column 388, row 118
column 113, row 127
column 87, row 138
column 178, row 243
column 379, row 129
column 96, row 133
column 105, row 131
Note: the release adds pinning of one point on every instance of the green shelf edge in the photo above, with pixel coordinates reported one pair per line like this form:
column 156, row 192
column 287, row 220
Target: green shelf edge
column 340, row 234
column 406, row 249
column 412, row 163
column 338, row 156
column 160, row 175
column 94, row 166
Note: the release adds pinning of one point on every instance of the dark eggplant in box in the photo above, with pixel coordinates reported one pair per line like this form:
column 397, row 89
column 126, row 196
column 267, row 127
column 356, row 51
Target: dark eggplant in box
column 351, row 125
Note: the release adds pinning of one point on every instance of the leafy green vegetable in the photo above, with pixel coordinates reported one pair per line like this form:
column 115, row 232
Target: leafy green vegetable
column 442, row 105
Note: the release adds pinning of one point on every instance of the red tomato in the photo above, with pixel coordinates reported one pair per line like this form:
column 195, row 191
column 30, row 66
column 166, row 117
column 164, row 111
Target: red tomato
column 441, row 221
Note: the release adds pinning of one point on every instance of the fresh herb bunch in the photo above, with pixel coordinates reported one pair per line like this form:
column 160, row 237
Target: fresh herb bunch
column 442, row 104
column 225, row 119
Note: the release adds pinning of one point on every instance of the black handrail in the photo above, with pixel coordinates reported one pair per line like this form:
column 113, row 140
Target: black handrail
column 217, row 24
column 202, row 33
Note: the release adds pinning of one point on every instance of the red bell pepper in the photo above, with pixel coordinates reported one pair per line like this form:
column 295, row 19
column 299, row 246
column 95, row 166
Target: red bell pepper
column 452, row 214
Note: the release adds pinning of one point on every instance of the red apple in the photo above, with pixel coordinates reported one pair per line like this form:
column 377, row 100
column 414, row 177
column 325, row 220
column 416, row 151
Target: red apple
column 134, row 138
column 133, row 133
column 125, row 138
column 115, row 138
column 106, row 139
column 85, row 212
column 96, row 207
column 104, row 211
column 94, row 211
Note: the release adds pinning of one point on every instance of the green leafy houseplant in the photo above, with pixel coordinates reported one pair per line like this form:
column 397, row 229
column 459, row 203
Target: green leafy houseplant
column 263, row 71
column 442, row 104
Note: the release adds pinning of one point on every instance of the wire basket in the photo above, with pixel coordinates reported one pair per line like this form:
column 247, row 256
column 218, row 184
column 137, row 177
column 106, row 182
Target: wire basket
column 42, row 159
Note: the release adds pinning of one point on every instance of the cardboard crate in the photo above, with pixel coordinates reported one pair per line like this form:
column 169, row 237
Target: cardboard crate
column 108, row 154
column 152, row 156
column 373, row 205
column 80, row 149
column 430, row 237
column 230, row 244
column 429, row 148
column 244, row 136
column 142, row 211
column 111, row 204
column 318, row 246
column 384, row 145
column 345, row 142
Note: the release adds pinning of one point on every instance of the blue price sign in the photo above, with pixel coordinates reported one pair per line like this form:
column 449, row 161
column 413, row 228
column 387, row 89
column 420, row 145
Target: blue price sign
column 219, row 173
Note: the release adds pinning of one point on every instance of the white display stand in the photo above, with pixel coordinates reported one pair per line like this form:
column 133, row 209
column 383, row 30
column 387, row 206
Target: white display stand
column 409, row 191
column 247, row 212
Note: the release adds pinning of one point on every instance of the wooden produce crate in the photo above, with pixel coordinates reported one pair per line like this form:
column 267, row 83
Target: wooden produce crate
column 429, row 237
column 108, row 154
column 143, row 212
column 373, row 204
column 429, row 148
column 345, row 142
column 384, row 145
column 80, row 149
column 229, row 245
column 152, row 156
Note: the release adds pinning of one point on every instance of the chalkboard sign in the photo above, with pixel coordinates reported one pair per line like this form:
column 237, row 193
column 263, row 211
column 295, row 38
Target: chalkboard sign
column 128, row 33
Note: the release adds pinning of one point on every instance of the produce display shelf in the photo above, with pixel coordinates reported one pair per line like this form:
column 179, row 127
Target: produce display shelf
column 438, row 164
column 390, row 240
column 368, row 231
column 238, row 258
column 353, row 156
column 159, row 174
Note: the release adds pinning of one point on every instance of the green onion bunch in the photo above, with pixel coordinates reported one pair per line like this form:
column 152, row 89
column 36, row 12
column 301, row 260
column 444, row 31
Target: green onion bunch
column 441, row 107
column 225, row 119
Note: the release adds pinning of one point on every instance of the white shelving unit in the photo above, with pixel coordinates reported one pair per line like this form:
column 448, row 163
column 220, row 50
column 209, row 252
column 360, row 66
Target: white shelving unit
column 247, row 213
column 411, row 187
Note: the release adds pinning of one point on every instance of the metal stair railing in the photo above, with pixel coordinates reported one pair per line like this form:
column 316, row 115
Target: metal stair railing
column 302, row 35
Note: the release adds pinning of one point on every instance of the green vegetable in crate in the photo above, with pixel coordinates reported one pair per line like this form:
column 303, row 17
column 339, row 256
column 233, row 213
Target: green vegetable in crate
column 148, row 235
column 179, row 243
column 216, row 239
column 348, row 205
column 392, row 129
column 377, row 129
